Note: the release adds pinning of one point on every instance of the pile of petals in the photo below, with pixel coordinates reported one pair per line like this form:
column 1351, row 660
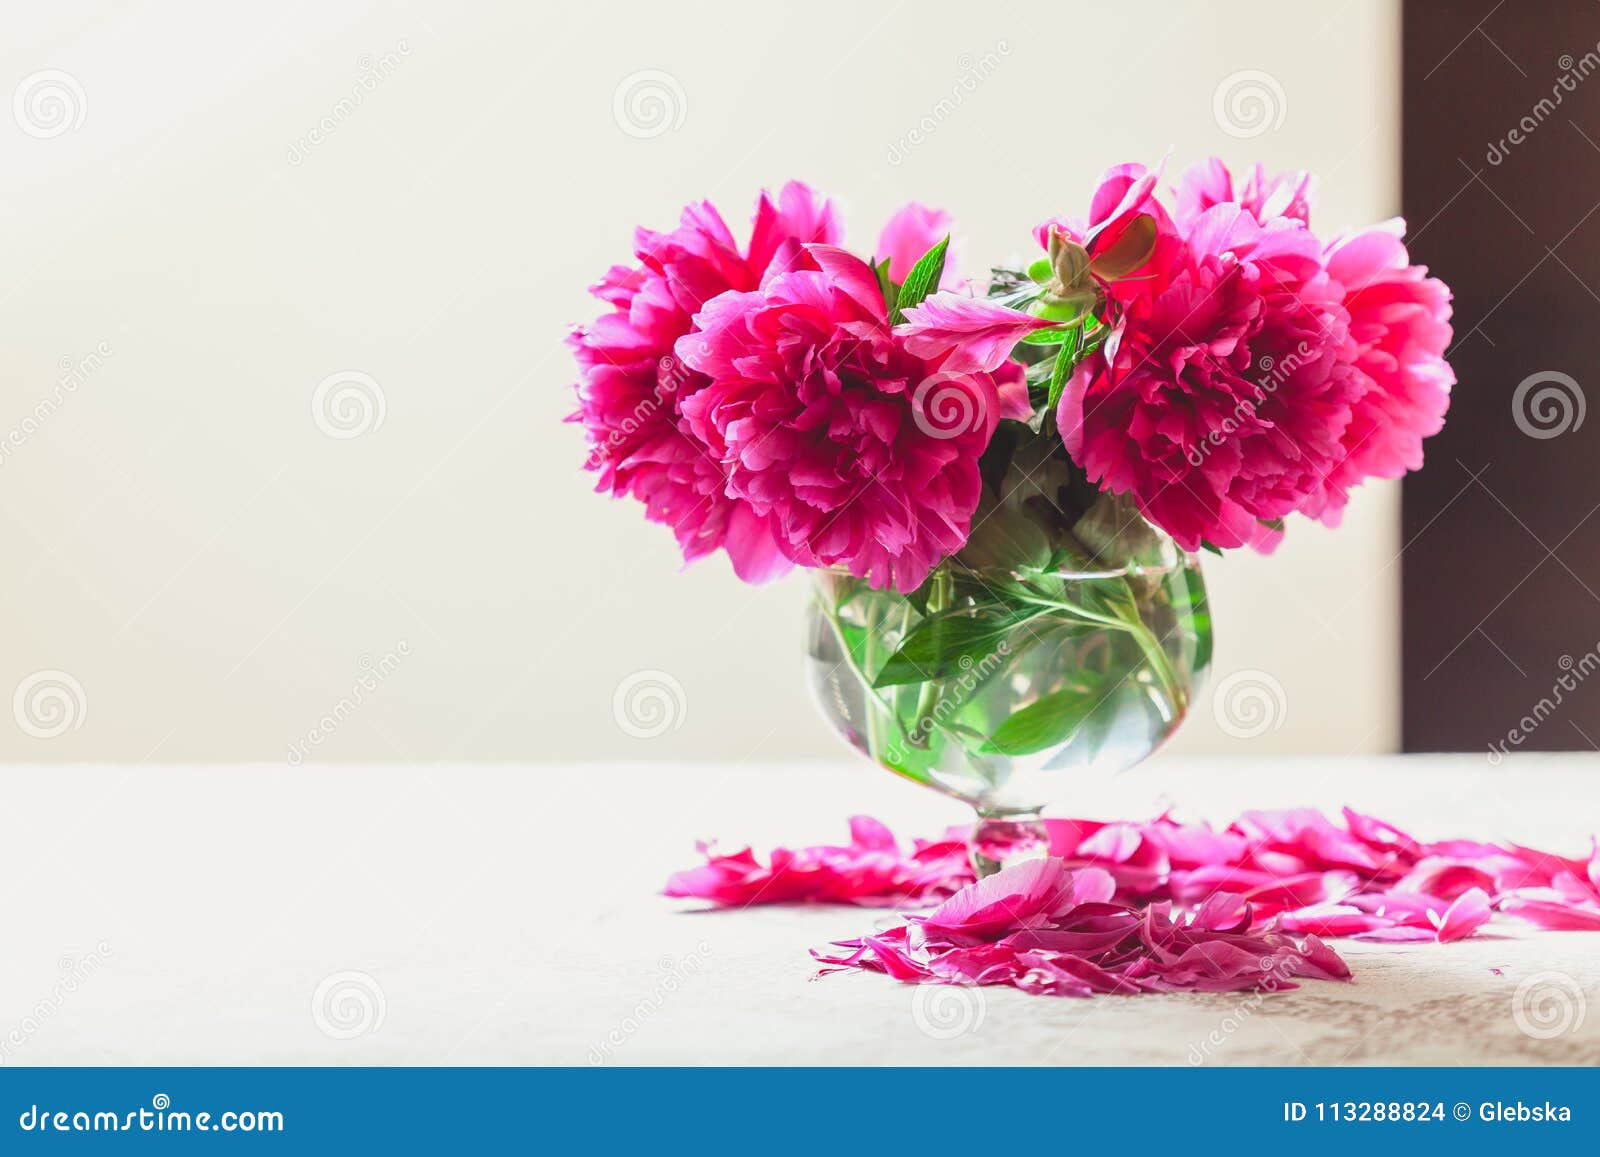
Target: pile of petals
column 1162, row 887
column 1049, row 930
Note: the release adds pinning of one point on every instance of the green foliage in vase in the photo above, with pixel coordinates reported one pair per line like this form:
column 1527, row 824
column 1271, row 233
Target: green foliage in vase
column 1066, row 632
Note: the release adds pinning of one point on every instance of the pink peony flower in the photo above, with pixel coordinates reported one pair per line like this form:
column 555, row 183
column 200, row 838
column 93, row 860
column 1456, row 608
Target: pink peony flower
column 1221, row 401
column 1399, row 329
column 632, row 385
column 858, row 452
column 1262, row 373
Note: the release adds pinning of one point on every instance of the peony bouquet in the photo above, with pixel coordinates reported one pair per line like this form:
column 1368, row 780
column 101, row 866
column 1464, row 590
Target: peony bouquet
column 1001, row 483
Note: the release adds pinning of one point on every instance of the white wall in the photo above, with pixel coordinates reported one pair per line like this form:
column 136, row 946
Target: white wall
column 214, row 571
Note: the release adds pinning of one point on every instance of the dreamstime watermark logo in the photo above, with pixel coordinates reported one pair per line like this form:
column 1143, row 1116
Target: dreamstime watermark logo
column 371, row 71
column 947, row 405
column 1549, row 1004
column 1249, row 103
column 348, row 1004
column 49, row 103
column 1574, row 672
column 671, row 376
column 348, row 404
column 648, row 704
column 648, row 103
column 974, row 71
column 1573, row 73
column 1278, row 973
column 75, row 971
column 73, row 374
column 947, row 1011
column 370, row 674
column 48, row 704
column 674, row 972
column 1274, row 371
column 1249, row 703
column 1548, row 404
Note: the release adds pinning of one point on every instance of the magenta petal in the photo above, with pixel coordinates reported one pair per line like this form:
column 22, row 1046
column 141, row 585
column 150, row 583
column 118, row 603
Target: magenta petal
column 1549, row 912
column 852, row 275
column 911, row 232
column 976, row 335
column 870, row 871
column 1033, row 891
column 1468, row 913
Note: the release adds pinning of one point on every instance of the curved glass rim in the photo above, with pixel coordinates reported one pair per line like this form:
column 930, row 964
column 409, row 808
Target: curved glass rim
column 1187, row 560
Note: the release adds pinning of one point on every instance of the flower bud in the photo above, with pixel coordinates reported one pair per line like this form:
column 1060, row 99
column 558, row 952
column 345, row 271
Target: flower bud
column 1070, row 261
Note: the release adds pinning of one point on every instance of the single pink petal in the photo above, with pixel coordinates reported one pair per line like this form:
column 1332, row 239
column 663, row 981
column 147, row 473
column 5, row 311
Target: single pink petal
column 1011, row 383
column 1013, row 897
column 753, row 548
column 1115, row 842
column 1466, row 914
column 1222, row 912
column 852, row 275
column 1332, row 920
column 972, row 335
column 800, row 215
column 1397, row 934
column 866, row 832
column 912, row 231
column 1447, row 877
column 1123, row 193
column 1546, row 910
column 1069, row 411
column 1092, row 886
column 1066, row 836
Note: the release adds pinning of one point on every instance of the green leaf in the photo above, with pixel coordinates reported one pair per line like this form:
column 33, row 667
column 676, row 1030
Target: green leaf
column 1212, row 547
column 1053, row 336
column 1194, row 615
column 935, row 647
column 890, row 291
column 1110, row 597
column 920, row 282
column 1058, row 380
column 919, row 597
column 1044, row 723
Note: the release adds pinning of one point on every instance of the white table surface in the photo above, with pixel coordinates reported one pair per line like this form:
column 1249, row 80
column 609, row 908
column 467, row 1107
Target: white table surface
column 509, row 915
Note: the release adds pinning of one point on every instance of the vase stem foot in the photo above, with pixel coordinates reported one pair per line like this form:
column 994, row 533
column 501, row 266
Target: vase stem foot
column 999, row 841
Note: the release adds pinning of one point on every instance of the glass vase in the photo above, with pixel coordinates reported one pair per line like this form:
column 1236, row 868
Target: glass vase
column 1002, row 686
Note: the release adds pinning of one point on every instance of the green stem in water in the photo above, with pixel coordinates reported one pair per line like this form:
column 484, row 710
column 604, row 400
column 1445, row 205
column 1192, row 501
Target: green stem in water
column 1155, row 657
column 878, row 709
column 939, row 598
